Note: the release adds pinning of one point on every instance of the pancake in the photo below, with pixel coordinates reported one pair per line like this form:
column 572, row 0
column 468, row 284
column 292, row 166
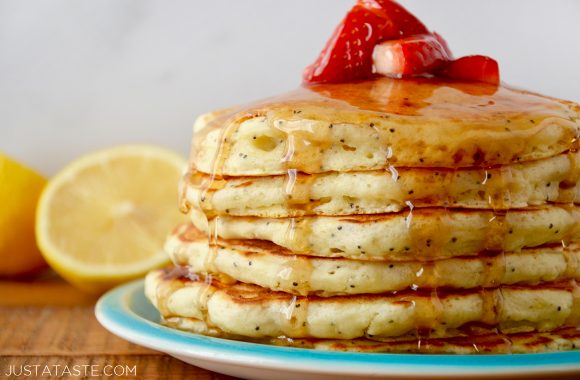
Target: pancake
column 385, row 122
column 427, row 233
column 252, row 311
column 295, row 194
column 564, row 339
column 269, row 266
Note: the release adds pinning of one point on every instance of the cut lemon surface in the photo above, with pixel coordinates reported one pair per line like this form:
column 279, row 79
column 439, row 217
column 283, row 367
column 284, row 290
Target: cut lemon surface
column 103, row 219
column 20, row 188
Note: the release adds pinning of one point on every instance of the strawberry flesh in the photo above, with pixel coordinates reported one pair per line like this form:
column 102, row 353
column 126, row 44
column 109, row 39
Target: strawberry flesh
column 384, row 36
column 478, row 68
column 416, row 55
column 399, row 22
column 444, row 44
column 347, row 56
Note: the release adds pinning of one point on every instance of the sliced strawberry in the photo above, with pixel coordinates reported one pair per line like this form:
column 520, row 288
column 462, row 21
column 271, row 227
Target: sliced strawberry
column 443, row 43
column 409, row 56
column 399, row 44
column 399, row 21
column 347, row 55
column 477, row 68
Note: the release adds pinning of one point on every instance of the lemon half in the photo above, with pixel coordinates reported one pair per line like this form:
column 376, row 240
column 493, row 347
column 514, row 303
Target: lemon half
column 103, row 219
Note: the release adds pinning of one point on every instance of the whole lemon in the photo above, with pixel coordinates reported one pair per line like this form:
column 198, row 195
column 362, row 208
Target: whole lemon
column 20, row 188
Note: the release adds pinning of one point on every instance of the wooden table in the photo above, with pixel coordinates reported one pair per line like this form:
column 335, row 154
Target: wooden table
column 47, row 322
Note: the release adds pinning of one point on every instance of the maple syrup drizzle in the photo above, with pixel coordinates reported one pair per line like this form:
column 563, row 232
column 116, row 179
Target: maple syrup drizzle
column 296, row 274
column 167, row 287
column 498, row 193
column 297, row 191
column 570, row 234
column 427, row 306
column 574, row 317
column 302, row 154
column 438, row 187
column 431, row 242
column 215, row 181
column 295, row 313
column 572, row 262
column 394, row 106
column 428, row 313
column 304, row 142
column 568, row 187
column 213, row 244
column 307, row 139
column 292, row 278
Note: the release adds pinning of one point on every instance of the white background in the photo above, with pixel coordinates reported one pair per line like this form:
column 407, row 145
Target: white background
column 79, row 75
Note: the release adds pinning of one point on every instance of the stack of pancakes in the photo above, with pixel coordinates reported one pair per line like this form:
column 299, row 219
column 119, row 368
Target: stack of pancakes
column 386, row 215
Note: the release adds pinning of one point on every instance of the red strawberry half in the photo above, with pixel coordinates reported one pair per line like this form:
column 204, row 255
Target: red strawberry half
column 347, row 55
column 383, row 35
column 473, row 68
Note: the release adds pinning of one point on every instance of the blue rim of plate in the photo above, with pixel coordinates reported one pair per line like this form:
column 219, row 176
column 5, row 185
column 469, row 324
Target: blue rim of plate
column 126, row 312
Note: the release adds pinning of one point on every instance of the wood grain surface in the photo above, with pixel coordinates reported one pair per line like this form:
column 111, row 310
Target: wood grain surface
column 47, row 322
